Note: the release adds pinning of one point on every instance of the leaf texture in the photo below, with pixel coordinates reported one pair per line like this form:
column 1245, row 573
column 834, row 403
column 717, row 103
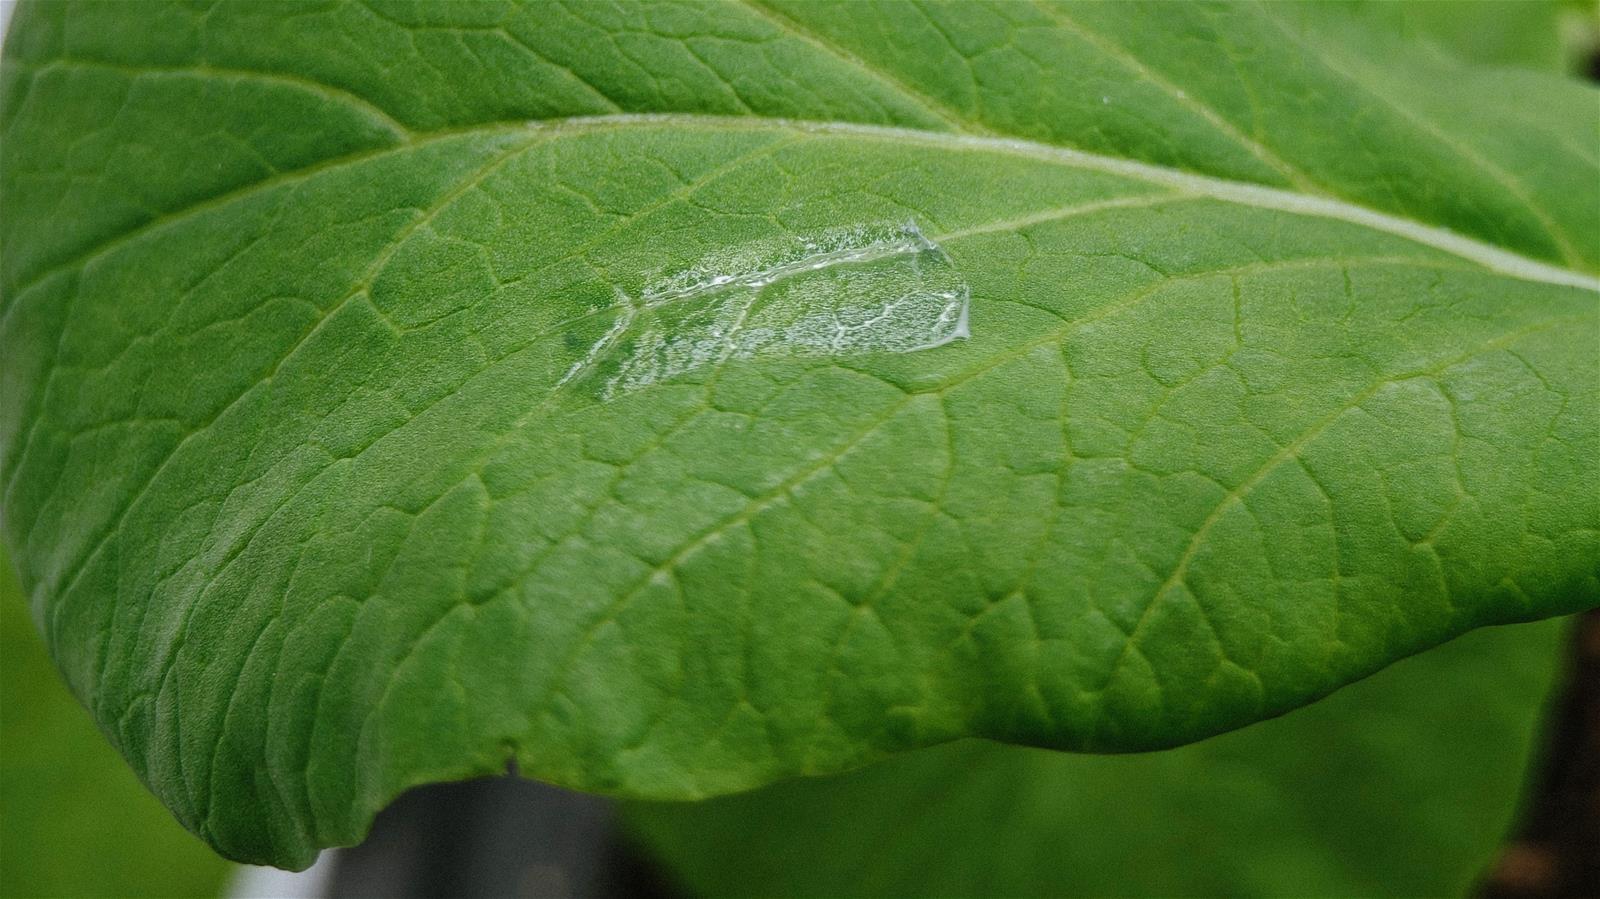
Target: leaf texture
column 374, row 413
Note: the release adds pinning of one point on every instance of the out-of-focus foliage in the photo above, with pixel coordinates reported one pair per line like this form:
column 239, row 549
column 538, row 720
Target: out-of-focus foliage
column 1400, row 785
column 74, row 821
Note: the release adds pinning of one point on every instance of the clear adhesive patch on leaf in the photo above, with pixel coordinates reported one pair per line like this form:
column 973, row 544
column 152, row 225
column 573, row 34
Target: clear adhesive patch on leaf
column 877, row 288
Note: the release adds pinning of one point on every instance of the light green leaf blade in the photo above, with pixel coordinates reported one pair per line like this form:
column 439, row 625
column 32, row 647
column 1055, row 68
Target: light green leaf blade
column 1402, row 785
column 1530, row 34
column 405, row 436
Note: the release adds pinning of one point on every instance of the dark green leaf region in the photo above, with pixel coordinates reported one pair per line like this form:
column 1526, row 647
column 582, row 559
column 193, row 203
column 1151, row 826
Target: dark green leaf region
column 678, row 397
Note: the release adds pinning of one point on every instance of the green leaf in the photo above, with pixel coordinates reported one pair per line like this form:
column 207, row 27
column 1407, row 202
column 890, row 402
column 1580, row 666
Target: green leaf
column 1402, row 785
column 1523, row 33
column 810, row 382
column 74, row 821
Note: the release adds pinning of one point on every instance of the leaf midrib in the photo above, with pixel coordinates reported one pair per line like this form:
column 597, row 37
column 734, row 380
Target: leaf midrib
column 961, row 123
column 1491, row 258
column 1488, row 256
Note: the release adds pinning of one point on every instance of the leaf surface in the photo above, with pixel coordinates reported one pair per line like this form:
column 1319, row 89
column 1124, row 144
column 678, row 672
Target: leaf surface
column 1542, row 35
column 803, row 384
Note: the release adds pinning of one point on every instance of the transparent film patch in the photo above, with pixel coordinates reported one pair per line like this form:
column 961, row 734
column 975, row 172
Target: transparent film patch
column 880, row 288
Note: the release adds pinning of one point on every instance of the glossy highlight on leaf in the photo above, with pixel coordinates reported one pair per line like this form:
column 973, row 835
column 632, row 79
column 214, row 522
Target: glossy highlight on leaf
column 350, row 440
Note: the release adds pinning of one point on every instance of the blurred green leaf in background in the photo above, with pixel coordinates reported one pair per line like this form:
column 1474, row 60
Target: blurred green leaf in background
column 74, row 820
column 1402, row 785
